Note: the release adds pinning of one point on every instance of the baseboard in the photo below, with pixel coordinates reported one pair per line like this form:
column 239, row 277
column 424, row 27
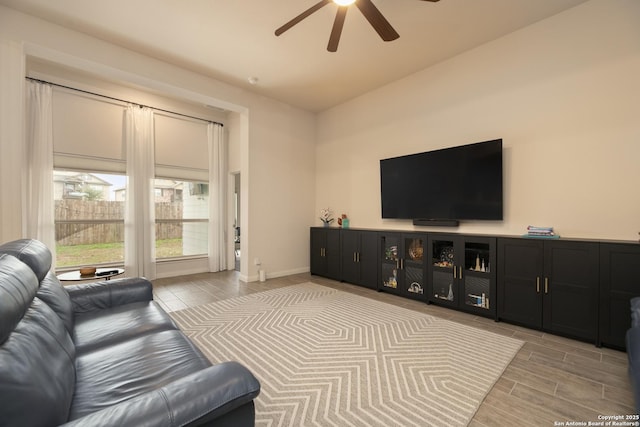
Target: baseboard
column 241, row 277
column 274, row 275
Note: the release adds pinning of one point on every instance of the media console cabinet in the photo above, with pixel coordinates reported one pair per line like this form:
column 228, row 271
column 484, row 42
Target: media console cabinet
column 572, row 287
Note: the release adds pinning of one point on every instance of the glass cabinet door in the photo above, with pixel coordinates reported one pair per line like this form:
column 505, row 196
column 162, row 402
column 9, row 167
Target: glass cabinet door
column 390, row 261
column 476, row 277
column 412, row 267
column 443, row 285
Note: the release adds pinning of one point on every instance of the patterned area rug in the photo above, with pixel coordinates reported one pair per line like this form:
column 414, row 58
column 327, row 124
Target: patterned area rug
column 330, row 358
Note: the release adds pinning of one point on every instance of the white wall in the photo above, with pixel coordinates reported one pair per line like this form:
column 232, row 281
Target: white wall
column 282, row 183
column 276, row 141
column 11, row 134
column 562, row 93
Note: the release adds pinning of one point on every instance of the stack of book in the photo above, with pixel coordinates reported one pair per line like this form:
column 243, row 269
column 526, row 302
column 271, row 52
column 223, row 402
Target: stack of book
column 533, row 231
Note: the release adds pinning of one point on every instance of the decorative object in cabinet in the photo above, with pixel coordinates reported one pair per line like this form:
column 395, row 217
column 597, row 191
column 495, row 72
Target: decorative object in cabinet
column 416, row 249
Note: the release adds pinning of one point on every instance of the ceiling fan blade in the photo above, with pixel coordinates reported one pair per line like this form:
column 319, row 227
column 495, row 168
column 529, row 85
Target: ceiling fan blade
column 377, row 20
column 336, row 31
column 303, row 15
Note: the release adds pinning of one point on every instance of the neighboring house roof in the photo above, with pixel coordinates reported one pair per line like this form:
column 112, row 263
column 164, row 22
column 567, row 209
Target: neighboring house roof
column 79, row 177
column 167, row 183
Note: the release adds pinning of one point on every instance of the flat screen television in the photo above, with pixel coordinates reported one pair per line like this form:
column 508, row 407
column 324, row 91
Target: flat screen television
column 450, row 184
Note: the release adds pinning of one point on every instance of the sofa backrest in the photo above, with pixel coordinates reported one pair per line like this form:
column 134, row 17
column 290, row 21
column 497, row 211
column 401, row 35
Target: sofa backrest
column 37, row 256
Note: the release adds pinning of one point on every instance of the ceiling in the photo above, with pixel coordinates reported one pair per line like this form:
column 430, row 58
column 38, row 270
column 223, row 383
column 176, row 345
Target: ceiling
column 233, row 40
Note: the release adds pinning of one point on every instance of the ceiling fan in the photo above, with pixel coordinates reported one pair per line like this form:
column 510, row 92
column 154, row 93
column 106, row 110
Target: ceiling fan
column 368, row 9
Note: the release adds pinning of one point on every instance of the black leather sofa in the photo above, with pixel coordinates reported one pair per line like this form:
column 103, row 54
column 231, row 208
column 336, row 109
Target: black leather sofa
column 633, row 350
column 103, row 354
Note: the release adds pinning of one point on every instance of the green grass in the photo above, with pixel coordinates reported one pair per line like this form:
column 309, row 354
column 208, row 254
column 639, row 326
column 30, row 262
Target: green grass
column 79, row 255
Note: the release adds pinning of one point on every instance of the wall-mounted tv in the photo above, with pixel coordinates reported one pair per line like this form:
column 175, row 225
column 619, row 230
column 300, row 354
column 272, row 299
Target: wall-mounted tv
column 451, row 184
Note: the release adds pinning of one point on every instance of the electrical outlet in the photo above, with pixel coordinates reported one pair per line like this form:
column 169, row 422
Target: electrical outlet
column 256, row 261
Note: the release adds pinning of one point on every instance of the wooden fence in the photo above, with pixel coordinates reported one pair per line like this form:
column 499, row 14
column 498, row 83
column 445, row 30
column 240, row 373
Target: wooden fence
column 78, row 233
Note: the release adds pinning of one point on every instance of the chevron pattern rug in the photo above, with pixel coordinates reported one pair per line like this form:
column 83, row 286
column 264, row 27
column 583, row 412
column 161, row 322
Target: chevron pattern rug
column 325, row 357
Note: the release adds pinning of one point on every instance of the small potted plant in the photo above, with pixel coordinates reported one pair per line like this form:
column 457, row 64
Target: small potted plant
column 326, row 216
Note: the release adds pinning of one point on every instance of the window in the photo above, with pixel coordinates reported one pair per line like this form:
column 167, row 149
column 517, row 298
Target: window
column 89, row 218
column 89, row 180
column 181, row 187
column 182, row 218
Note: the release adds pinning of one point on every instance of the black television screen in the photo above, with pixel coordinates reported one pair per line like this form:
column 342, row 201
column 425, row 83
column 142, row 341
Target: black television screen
column 458, row 183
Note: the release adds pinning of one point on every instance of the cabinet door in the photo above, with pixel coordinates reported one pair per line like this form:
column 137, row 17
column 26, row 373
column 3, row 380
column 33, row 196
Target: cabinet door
column 359, row 257
column 390, row 251
column 349, row 256
column 619, row 282
column 443, row 254
column 368, row 259
column 318, row 261
column 571, row 289
column 333, row 253
column 412, row 266
column 325, row 252
column 478, row 283
column 520, row 269
column 460, row 270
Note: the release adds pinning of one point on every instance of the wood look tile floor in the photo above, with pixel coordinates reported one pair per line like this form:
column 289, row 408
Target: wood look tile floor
column 552, row 381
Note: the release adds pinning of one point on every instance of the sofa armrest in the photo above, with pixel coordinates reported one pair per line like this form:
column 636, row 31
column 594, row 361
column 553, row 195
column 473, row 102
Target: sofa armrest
column 196, row 399
column 635, row 312
column 633, row 355
column 87, row 297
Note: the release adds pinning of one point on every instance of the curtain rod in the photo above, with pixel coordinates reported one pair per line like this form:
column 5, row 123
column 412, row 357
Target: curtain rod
column 122, row 100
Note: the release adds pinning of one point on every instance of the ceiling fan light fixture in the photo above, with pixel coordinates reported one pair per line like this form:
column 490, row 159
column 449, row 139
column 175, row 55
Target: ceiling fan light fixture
column 344, row 2
column 377, row 20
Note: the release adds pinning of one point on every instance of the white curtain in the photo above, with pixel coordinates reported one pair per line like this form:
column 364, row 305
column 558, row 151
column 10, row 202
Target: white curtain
column 39, row 188
column 139, row 235
column 217, row 198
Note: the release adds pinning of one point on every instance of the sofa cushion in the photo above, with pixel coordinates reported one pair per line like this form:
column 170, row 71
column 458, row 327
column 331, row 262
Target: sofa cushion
column 110, row 326
column 18, row 287
column 221, row 395
column 37, row 355
column 109, row 376
column 54, row 295
column 96, row 296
